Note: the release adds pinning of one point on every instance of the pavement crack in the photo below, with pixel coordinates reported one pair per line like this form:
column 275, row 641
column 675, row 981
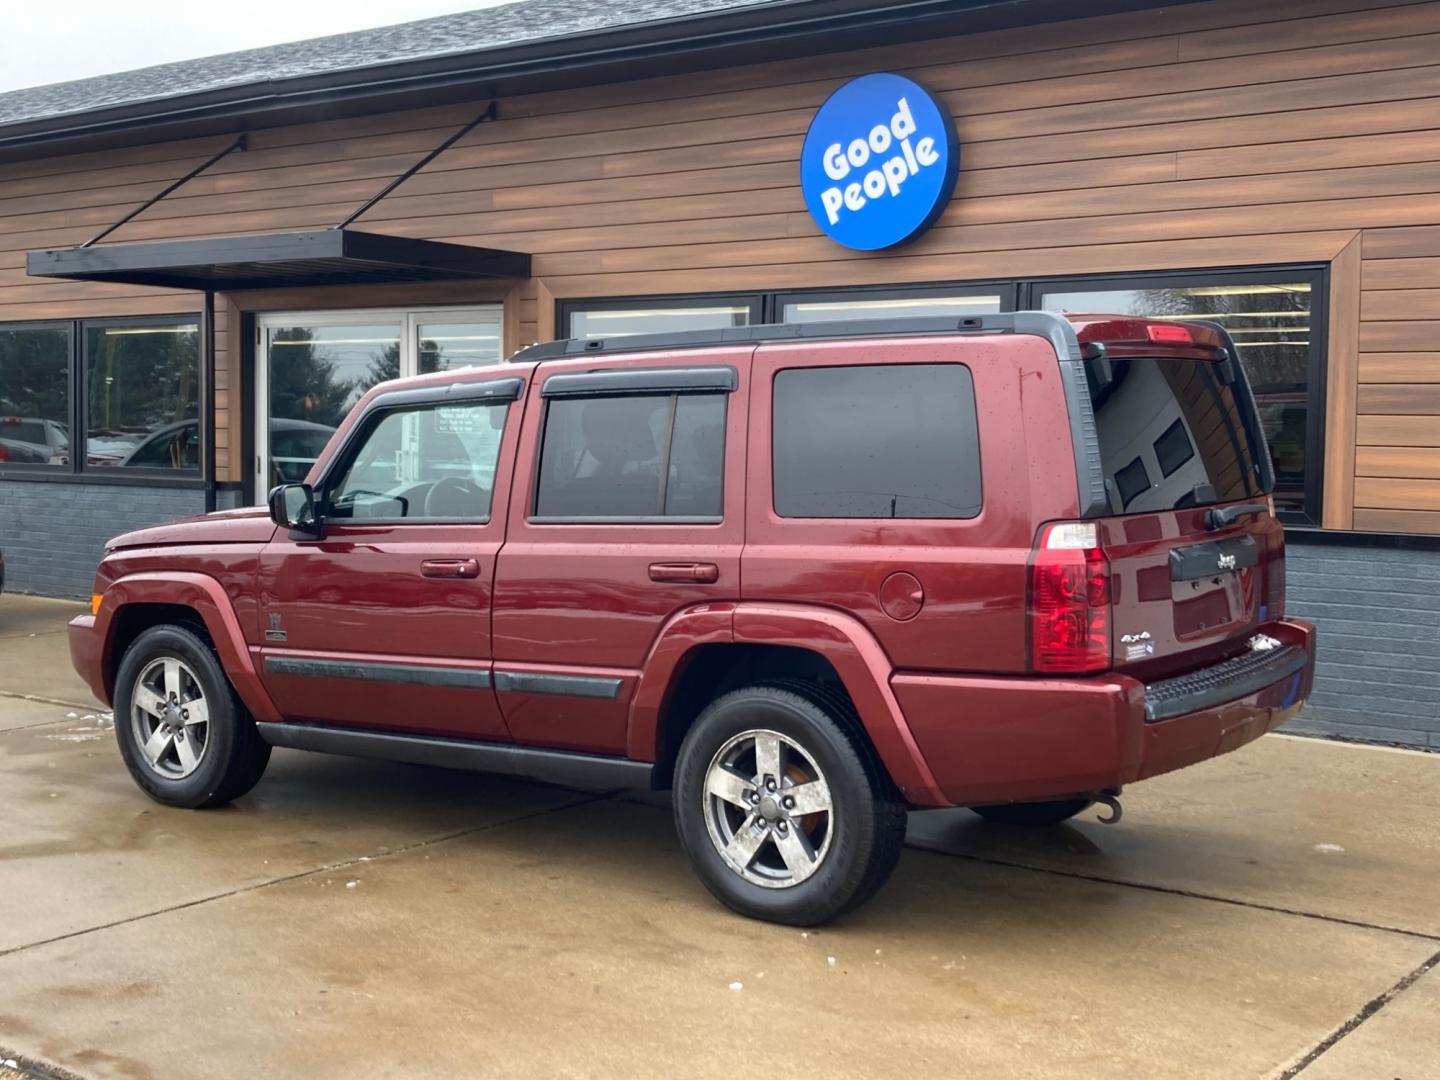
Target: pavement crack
column 1189, row 894
column 331, row 867
column 1369, row 1009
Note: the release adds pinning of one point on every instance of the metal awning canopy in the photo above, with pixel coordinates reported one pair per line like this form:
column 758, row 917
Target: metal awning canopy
column 321, row 257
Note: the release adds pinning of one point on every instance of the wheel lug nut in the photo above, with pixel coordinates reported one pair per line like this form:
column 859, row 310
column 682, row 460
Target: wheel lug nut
column 769, row 784
column 782, row 828
column 789, row 803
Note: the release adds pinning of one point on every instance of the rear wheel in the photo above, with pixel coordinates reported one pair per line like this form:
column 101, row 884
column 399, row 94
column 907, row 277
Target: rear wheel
column 782, row 809
column 184, row 734
column 1033, row 813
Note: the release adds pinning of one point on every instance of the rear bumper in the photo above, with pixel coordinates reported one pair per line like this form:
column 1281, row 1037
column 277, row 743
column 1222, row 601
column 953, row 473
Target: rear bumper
column 1007, row 739
column 87, row 650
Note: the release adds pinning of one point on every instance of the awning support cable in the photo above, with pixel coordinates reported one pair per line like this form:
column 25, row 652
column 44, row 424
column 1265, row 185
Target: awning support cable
column 490, row 113
column 238, row 144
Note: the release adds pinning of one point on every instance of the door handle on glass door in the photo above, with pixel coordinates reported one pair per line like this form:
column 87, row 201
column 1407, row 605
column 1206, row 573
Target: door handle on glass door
column 703, row 573
column 450, row 568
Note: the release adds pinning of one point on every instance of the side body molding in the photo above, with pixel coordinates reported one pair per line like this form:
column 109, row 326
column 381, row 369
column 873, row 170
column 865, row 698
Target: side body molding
column 206, row 597
column 842, row 639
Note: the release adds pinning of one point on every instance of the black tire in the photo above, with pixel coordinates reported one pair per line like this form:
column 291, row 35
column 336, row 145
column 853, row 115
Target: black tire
column 867, row 814
column 1033, row 813
column 234, row 755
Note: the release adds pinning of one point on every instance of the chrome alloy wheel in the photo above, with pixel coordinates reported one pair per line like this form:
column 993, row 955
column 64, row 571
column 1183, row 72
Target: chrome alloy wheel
column 170, row 718
column 768, row 809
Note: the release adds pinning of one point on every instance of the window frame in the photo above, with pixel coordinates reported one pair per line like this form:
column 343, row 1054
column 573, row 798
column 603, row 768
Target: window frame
column 12, row 470
column 76, row 471
column 1022, row 294
column 672, row 392
column 1317, row 276
column 672, row 302
column 1008, row 291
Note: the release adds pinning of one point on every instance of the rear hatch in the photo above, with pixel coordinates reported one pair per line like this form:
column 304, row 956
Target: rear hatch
column 1195, row 553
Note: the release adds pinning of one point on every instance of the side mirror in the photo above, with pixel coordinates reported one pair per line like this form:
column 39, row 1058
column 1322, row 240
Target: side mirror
column 293, row 506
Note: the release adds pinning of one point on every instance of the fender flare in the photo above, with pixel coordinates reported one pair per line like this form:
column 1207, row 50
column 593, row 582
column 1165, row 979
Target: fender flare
column 206, row 597
column 840, row 638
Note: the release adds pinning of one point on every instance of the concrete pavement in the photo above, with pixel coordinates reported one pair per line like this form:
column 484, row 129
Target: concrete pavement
column 1265, row 913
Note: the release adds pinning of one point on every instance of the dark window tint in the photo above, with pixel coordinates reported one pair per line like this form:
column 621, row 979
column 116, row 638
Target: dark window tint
column 1159, row 411
column 647, row 456
column 893, row 441
column 142, row 395
column 35, row 396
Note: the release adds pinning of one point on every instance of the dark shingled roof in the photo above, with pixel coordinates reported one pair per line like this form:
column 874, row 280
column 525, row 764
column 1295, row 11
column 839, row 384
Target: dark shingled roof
column 447, row 35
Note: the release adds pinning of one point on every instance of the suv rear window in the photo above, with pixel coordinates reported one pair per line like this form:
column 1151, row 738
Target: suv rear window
column 882, row 441
column 1173, row 433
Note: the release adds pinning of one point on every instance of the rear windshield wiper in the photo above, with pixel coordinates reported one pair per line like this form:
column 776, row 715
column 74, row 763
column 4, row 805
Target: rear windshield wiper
column 1218, row 519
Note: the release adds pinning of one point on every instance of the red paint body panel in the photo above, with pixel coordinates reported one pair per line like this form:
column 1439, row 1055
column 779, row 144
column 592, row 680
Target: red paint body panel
column 1005, row 739
column 572, row 595
column 204, row 595
column 676, row 645
column 972, row 571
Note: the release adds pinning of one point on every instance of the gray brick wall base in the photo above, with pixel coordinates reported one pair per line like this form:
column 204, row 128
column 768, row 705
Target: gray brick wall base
column 1377, row 674
column 53, row 534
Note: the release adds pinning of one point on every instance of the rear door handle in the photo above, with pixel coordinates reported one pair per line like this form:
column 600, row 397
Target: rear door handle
column 696, row 573
column 450, row 568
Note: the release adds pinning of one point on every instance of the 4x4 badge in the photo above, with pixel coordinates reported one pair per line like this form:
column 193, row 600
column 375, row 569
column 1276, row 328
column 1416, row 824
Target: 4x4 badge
column 1227, row 562
column 275, row 633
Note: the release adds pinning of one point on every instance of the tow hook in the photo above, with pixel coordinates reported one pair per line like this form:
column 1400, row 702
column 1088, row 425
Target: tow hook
column 1113, row 805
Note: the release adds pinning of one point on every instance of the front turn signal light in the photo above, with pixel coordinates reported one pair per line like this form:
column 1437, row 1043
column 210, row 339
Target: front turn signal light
column 95, row 599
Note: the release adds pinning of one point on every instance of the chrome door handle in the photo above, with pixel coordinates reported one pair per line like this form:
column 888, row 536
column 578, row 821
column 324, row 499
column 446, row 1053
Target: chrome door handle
column 450, row 568
column 702, row 573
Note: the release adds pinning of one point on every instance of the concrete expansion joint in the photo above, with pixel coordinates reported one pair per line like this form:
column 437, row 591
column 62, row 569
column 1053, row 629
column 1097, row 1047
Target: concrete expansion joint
column 1369, row 1009
column 1191, row 894
column 331, row 867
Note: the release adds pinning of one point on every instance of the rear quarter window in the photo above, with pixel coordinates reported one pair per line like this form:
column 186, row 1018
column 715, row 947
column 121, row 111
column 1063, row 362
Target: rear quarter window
column 876, row 441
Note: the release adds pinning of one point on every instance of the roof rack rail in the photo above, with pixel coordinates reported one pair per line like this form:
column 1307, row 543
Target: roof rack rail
column 1047, row 324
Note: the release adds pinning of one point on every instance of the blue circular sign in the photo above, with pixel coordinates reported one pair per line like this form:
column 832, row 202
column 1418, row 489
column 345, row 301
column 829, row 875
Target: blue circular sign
column 879, row 162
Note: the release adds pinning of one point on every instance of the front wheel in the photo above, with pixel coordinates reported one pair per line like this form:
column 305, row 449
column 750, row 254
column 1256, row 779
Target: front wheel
column 183, row 733
column 781, row 807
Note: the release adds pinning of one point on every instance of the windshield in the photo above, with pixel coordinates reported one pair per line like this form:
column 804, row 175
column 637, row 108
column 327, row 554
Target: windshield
column 1174, row 433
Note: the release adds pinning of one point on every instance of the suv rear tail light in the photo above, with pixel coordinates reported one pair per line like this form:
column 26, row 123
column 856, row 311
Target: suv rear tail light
column 1068, row 603
column 4, row 454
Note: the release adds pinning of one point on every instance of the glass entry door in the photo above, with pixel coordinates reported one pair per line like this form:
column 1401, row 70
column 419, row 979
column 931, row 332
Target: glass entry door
column 312, row 367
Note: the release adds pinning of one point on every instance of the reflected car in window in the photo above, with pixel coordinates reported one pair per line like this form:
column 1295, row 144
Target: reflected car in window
column 31, row 440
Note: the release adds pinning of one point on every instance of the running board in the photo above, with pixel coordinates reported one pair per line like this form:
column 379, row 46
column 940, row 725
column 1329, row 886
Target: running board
column 555, row 766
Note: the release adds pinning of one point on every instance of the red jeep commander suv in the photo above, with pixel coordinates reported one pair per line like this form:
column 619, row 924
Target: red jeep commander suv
column 809, row 577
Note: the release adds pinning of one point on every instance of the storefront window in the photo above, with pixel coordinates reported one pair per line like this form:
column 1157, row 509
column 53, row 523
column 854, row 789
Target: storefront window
column 142, row 395
column 445, row 346
column 35, row 395
column 1273, row 326
column 862, row 306
column 624, row 319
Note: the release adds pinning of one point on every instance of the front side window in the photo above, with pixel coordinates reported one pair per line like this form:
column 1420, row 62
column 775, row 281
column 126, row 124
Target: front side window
column 1272, row 324
column 432, row 463
column 638, row 457
column 35, row 396
column 882, row 441
column 142, row 395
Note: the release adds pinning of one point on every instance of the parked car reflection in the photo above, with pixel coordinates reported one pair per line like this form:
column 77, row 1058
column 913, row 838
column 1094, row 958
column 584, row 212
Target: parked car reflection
column 32, row 440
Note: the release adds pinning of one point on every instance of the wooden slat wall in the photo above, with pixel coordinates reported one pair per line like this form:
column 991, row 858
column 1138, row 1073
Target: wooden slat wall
column 1218, row 134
